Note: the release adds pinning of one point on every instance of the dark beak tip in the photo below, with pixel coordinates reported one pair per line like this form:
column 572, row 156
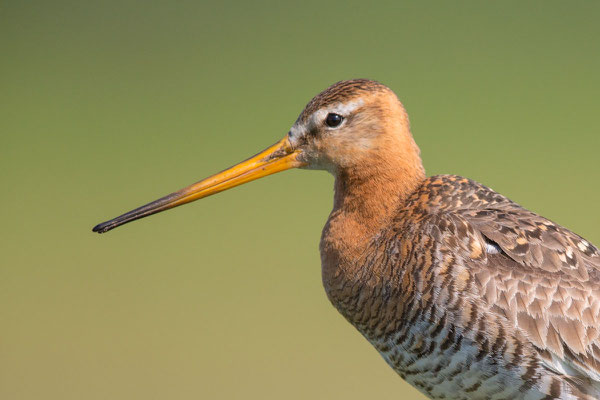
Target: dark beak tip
column 102, row 228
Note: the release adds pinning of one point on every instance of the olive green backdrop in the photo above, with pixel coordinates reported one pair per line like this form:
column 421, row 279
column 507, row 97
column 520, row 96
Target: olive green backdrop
column 106, row 105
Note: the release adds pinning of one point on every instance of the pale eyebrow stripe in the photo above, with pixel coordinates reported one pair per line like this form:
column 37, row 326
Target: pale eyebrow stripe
column 300, row 129
column 345, row 108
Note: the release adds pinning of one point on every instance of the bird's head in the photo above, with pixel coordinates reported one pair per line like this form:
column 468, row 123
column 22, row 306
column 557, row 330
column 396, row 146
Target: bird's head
column 353, row 127
column 350, row 126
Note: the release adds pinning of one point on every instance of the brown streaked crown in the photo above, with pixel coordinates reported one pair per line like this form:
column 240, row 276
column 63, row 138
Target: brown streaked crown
column 340, row 92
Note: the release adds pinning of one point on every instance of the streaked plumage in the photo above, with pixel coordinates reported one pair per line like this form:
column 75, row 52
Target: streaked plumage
column 465, row 294
column 457, row 321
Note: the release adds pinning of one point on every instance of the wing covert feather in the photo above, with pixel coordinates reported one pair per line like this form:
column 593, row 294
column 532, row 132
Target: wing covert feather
column 546, row 280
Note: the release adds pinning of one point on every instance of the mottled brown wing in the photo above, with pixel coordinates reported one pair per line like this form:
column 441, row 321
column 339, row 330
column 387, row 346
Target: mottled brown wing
column 545, row 279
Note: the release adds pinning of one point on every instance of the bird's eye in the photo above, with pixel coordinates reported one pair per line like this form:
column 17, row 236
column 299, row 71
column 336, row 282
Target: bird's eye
column 333, row 120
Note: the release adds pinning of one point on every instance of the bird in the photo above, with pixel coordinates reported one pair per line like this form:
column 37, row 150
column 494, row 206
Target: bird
column 463, row 292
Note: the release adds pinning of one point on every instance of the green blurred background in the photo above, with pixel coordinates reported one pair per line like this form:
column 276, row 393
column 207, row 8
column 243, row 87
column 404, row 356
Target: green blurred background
column 107, row 105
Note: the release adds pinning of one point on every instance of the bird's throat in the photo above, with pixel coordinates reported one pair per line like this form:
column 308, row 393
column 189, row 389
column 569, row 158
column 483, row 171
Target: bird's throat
column 367, row 197
column 364, row 204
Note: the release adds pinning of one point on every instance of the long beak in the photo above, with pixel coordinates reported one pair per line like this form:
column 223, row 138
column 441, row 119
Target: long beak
column 276, row 158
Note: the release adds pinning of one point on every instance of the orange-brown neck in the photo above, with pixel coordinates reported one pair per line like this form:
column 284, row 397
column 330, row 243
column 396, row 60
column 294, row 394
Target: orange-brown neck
column 371, row 194
column 366, row 199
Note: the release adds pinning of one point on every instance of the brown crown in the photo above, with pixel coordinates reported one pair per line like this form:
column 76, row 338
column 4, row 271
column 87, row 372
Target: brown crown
column 340, row 92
